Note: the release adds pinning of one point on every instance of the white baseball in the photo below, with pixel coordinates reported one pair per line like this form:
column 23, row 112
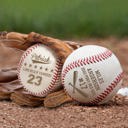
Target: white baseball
column 92, row 75
column 39, row 70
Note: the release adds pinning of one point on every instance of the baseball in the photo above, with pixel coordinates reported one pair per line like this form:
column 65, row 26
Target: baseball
column 92, row 75
column 39, row 70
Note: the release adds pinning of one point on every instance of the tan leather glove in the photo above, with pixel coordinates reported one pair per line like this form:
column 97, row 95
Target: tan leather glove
column 10, row 87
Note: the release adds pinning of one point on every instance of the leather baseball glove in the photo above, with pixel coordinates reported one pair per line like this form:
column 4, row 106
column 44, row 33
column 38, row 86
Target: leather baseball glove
column 10, row 88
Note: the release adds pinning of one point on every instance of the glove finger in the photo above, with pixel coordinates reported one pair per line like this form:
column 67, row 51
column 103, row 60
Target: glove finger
column 23, row 98
column 56, row 99
column 7, row 75
column 72, row 44
column 14, row 40
column 7, row 88
column 13, row 35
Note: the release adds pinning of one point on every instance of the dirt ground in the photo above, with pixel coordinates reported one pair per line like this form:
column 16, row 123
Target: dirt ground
column 69, row 115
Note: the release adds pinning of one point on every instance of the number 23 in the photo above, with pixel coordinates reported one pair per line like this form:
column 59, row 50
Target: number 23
column 34, row 79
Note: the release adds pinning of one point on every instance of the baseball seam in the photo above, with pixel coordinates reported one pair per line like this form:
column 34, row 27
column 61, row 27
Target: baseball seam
column 54, row 80
column 91, row 60
column 55, row 76
column 87, row 61
column 107, row 91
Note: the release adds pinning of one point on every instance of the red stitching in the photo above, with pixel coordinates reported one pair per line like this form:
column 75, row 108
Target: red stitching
column 54, row 78
column 53, row 81
column 107, row 91
column 91, row 60
column 87, row 61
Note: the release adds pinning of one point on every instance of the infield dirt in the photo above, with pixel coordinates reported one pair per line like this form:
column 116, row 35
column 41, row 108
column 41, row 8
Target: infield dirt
column 69, row 115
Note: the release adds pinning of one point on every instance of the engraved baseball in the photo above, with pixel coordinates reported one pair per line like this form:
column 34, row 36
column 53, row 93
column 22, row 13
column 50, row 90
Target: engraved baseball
column 39, row 70
column 92, row 75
